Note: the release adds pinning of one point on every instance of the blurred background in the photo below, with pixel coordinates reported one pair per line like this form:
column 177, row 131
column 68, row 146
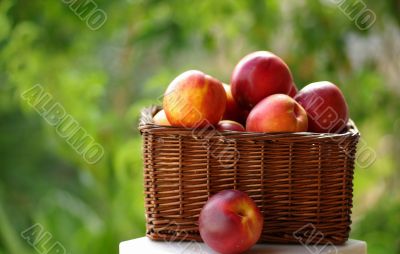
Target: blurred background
column 103, row 71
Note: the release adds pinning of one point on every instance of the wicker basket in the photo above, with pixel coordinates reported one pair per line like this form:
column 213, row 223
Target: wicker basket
column 302, row 182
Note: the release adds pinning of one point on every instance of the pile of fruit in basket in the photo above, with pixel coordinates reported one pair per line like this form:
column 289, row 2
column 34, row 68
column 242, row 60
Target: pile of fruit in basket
column 262, row 97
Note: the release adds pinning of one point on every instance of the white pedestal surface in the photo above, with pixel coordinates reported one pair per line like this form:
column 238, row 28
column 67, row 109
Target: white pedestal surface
column 145, row 245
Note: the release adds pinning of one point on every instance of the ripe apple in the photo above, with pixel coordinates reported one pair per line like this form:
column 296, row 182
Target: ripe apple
column 229, row 125
column 230, row 222
column 277, row 113
column 161, row 119
column 259, row 75
column 194, row 99
column 325, row 105
column 232, row 110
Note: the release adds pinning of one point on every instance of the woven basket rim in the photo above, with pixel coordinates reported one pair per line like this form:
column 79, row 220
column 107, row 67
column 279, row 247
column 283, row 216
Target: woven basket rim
column 146, row 123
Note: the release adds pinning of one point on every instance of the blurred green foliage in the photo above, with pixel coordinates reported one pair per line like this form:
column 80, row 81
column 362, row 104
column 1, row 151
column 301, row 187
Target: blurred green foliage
column 104, row 77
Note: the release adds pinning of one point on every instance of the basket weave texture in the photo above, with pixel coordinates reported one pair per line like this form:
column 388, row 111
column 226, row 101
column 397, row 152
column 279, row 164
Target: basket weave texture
column 301, row 182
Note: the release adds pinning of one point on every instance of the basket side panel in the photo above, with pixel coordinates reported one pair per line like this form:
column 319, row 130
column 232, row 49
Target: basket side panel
column 311, row 202
column 176, row 186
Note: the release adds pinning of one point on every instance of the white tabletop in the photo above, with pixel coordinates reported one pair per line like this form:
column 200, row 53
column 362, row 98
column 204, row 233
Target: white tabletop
column 145, row 245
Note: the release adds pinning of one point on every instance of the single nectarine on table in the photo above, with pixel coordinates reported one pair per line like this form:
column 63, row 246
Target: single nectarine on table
column 229, row 125
column 325, row 105
column 277, row 113
column 194, row 99
column 232, row 110
column 259, row 75
column 230, row 222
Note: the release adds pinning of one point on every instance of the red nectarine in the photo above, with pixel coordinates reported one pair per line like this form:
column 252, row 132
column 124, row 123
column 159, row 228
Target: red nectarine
column 277, row 113
column 161, row 119
column 325, row 105
column 232, row 110
column 194, row 99
column 230, row 222
column 229, row 125
column 259, row 75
